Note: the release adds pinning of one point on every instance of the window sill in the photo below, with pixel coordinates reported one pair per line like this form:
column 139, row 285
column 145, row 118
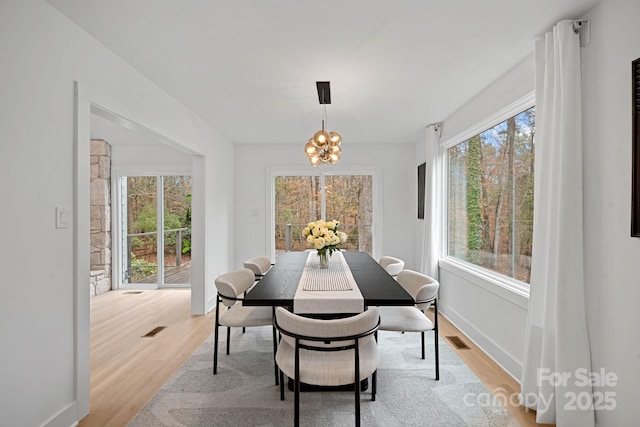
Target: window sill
column 511, row 290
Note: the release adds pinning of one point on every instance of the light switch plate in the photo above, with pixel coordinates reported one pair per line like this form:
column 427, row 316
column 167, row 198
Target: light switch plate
column 63, row 217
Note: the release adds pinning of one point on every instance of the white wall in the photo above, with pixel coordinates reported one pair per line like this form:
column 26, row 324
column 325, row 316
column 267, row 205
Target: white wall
column 612, row 272
column 419, row 156
column 152, row 156
column 399, row 180
column 42, row 54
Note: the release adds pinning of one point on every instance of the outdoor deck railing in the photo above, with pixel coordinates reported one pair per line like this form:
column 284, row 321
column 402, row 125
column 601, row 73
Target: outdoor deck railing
column 130, row 238
column 293, row 232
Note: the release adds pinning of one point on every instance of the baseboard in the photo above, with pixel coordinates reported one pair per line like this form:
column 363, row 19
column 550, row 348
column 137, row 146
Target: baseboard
column 66, row 417
column 510, row 365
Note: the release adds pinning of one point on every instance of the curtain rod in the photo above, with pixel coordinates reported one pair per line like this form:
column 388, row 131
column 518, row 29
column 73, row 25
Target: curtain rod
column 437, row 127
column 579, row 24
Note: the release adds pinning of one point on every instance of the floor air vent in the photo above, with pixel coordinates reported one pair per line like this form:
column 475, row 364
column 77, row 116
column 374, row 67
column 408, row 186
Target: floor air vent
column 154, row 331
column 132, row 292
column 458, row 343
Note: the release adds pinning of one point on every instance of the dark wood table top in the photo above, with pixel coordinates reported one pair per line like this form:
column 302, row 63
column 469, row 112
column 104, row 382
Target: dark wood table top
column 279, row 285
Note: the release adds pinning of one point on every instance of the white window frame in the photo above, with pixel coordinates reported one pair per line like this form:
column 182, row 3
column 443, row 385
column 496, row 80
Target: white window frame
column 504, row 286
column 376, row 176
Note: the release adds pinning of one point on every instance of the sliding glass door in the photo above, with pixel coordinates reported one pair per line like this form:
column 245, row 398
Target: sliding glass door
column 155, row 231
column 177, row 230
column 300, row 199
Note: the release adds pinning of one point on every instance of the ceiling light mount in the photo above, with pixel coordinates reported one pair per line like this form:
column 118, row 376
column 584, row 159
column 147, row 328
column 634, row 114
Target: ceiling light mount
column 324, row 92
column 324, row 146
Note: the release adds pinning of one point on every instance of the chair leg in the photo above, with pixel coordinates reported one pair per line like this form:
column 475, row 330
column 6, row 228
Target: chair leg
column 422, row 342
column 374, row 385
column 435, row 333
column 357, row 387
column 228, row 338
column 275, row 344
column 356, row 383
column 374, row 377
column 275, row 349
column 281, row 385
column 215, row 343
column 244, row 295
column 296, row 403
column 296, row 387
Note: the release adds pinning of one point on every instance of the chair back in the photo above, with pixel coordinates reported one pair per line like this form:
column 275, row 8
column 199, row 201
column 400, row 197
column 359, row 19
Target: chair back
column 423, row 288
column 391, row 264
column 232, row 284
column 259, row 265
column 327, row 333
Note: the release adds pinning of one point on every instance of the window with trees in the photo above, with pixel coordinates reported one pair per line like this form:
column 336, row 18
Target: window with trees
column 490, row 197
column 302, row 199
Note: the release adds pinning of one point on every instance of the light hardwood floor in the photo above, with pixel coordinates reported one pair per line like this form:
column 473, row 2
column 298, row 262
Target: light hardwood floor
column 492, row 376
column 127, row 370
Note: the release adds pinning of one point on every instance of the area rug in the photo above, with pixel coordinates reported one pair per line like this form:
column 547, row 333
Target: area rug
column 243, row 392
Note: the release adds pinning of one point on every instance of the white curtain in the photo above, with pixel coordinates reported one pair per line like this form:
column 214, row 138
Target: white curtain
column 557, row 353
column 432, row 199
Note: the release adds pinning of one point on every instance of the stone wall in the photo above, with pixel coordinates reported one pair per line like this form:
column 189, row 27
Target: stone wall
column 100, row 192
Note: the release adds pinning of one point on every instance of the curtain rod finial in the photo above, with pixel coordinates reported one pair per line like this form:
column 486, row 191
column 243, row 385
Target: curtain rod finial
column 582, row 27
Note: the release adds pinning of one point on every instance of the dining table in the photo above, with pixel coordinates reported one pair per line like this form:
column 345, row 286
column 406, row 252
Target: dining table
column 280, row 286
column 287, row 284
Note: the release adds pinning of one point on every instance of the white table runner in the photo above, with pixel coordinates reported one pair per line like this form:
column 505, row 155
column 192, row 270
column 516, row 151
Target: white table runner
column 331, row 290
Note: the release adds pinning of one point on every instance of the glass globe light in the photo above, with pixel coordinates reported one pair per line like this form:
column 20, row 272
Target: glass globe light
column 310, row 148
column 314, row 160
column 335, row 138
column 321, row 137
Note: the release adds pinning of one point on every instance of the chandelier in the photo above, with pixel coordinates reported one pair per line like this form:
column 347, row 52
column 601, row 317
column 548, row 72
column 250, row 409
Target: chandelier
column 324, row 146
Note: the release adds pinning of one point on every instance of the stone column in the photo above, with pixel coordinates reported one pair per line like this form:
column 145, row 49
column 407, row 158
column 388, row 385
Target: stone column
column 100, row 192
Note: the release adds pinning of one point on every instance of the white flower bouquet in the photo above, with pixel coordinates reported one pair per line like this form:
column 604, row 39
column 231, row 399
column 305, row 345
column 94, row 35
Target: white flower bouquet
column 324, row 237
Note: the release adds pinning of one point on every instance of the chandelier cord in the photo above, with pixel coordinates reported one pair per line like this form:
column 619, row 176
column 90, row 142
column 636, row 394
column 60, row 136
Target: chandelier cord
column 325, row 115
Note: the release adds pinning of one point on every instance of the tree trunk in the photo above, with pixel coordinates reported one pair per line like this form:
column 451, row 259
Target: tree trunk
column 505, row 191
column 365, row 213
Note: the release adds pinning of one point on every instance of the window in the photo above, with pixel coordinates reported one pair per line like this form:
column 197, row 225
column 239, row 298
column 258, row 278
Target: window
column 490, row 197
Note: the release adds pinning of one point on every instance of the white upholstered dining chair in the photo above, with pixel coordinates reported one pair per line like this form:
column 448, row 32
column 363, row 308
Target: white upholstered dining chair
column 424, row 290
column 230, row 312
column 392, row 265
column 259, row 265
column 332, row 352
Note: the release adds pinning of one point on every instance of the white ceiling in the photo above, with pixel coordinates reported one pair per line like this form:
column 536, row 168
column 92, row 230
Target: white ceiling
column 249, row 67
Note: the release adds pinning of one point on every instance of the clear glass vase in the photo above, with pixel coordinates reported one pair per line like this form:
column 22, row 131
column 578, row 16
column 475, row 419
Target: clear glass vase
column 324, row 259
